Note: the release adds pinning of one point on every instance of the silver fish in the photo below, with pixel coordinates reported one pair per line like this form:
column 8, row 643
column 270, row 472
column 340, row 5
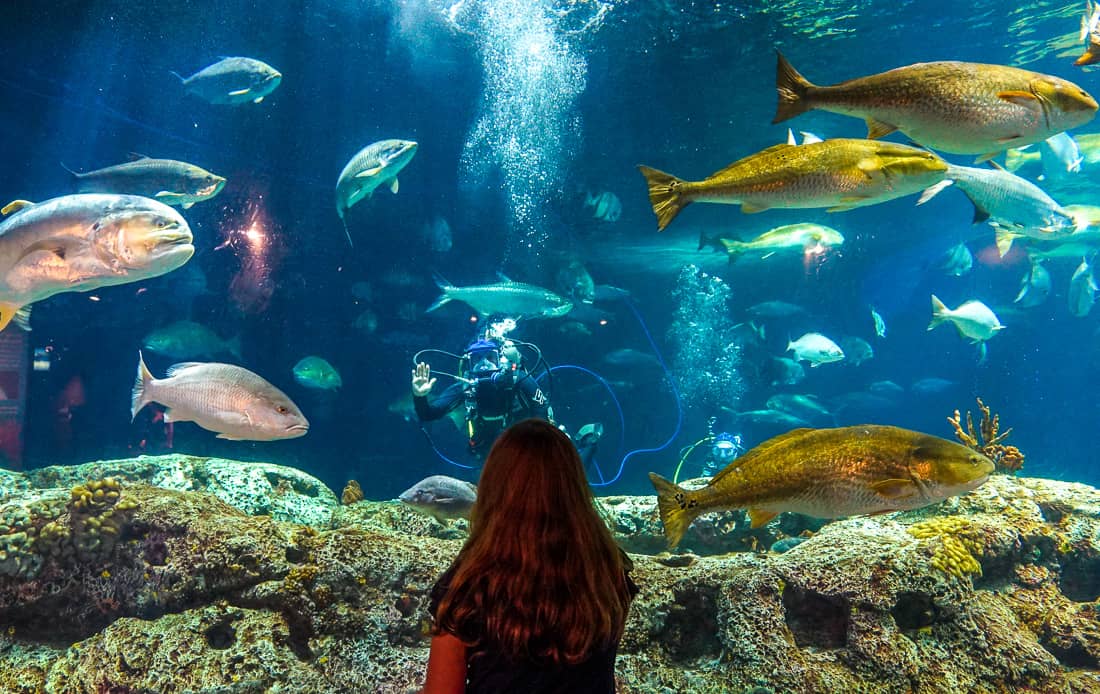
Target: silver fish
column 376, row 164
column 441, row 497
column 167, row 180
column 188, row 340
column 513, row 299
column 227, row 399
column 957, row 261
column 1082, row 290
column 78, row 243
column 233, row 81
column 1034, row 286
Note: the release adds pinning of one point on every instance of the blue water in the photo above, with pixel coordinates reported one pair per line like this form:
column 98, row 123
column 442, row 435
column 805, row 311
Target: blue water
column 520, row 107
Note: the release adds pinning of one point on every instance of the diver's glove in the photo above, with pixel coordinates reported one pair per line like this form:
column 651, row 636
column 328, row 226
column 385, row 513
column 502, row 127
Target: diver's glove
column 422, row 380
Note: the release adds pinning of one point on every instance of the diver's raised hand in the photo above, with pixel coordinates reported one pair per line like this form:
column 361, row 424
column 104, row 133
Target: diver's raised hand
column 422, row 381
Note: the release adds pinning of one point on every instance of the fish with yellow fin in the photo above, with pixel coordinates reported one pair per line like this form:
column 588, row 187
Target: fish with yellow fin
column 950, row 106
column 840, row 174
column 829, row 473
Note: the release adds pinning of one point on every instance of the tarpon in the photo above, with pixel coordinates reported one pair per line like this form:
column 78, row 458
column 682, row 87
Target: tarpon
column 84, row 242
column 376, row 164
column 513, row 299
column 167, row 180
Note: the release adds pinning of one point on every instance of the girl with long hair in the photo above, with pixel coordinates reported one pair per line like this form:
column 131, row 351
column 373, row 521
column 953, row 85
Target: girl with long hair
column 537, row 598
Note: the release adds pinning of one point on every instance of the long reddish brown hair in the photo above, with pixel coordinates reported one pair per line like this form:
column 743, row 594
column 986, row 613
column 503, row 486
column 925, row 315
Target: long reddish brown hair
column 540, row 576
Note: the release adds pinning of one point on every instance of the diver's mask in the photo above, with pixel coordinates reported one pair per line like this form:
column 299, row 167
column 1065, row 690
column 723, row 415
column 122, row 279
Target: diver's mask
column 726, row 447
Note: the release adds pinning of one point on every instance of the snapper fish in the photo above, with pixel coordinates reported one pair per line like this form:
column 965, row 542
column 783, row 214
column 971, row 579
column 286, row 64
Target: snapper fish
column 605, row 206
column 233, row 81
column 230, row 400
column 167, row 180
column 828, row 473
column 950, row 106
column 79, row 243
column 838, row 174
column 816, row 349
column 973, row 320
column 375, row 165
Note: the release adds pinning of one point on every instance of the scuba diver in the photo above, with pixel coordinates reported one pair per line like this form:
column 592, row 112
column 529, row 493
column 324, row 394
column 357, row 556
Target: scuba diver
column 724, row 449
column 496, row 390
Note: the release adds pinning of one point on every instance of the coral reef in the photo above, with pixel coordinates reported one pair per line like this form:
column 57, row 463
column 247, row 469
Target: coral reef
column 987, row 440
column 195, row 595
column 352, row 493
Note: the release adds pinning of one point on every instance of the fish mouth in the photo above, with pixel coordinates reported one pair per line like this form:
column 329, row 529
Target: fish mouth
column 172, row 243
column 296, row 430
column 212, row 189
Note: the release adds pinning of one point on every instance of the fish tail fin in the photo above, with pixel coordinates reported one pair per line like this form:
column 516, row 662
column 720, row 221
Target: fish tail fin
column 673, row 503
column 178, row 76
column 13, row 313
column 733, row 248
column 664, row 195
column 445, row 297
column 939, row 312
column 792, row 88
column 141, row 396
column 74, row 174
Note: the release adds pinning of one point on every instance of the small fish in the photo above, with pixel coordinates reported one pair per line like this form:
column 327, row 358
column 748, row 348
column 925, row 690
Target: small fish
column 1014, row 206
column 78, row 243
column 233, row 81
column 167, row 180
column 1082, row 290
column 957, row 261
column 931, row 386
column 839, row 174
column 1060, row 156
column 512, row 299
column 949, row 106
column 801, row 238
column 768, row 418
column 972, row 319
column 1034, row 286
column 606, row 206
column 829, row 473
column 442, row 497
column 631, row 358
column 775, row 309
column 189, row 340
column 816, row 349
column 788, row 372
column 315, row 372
column 375, row 165
column 223, row 398
column 880, row 324
column 887, row 389
column 856, row 350
column 805, row 407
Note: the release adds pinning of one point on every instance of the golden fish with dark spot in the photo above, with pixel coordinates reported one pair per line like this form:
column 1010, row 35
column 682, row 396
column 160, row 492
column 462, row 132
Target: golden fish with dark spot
column 839, row 174
column 829, row 473
column 951, row 106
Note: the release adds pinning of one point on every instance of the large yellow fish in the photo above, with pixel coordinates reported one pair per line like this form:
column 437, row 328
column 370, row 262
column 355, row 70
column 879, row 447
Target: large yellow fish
column 951, row 106
column 829, row 473
column 838, row 174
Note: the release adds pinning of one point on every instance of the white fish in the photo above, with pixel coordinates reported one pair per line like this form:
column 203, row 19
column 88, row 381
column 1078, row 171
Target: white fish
column 605, row 206
column 1082, row 290
column 972, row 319
column 233, row 81
column 376, row 164
column 957, row 261
column 880, row 324
column 228, row 399
column 816, row 349
column 1034, row 286
column 1060, row 156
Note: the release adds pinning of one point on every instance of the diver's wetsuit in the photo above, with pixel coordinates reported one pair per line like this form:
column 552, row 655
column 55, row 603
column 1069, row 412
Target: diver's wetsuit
column 498, row 400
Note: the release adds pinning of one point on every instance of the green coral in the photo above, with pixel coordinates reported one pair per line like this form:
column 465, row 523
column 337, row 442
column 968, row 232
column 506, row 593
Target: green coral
column 958, row 545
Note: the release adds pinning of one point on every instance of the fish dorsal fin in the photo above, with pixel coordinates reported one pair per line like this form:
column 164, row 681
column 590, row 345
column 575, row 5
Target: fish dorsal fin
column 759, row 517
column 177, row 369
column 790, row 138
column 135, row 156
column 877, row 129
column 895, row 489
column 757, row 451
column 15, row 206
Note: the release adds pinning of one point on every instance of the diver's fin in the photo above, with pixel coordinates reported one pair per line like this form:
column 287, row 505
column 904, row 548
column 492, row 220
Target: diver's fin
column 759, row 517
column 664, row 195
column 15, row 206
column 895, row 488
column 140, row 396
column 792, row 88
column 365, row 173
column 677, row 507
column 238, row 92
column 393, row 185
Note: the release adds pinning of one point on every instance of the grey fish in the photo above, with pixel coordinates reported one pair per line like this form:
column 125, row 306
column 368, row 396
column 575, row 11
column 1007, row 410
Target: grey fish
column 957, row 260
column 576, row 283
column 931, row 386
column 78, row 243
column 233, row 81
column 787, row 371
column 775, row 418
column 775, row 309
column 856, row 350
column 514, row 299
column 1034, row 286
column 167, row 180
column 441, row 497
column 805, row 407
column 1082, row 290
column 376, row 164
column 227, row 399
column 887, row 389
column 189, row 340
column 631, row 358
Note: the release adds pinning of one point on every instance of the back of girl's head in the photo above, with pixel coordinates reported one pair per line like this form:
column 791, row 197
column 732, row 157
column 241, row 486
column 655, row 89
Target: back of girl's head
column 540, row 575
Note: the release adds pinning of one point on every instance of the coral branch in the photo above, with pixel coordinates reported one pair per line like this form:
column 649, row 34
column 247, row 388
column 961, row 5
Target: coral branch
column 987, row 440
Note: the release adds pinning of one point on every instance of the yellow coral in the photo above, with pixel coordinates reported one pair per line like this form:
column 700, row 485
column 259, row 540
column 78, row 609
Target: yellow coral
column 958, row 545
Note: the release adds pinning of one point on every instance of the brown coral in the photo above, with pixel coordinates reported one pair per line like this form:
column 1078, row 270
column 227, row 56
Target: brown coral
column 352, row 493
column 987, row 440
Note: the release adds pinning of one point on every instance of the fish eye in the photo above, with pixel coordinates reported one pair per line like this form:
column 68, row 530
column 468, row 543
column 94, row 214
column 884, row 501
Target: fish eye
column 281, row 409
